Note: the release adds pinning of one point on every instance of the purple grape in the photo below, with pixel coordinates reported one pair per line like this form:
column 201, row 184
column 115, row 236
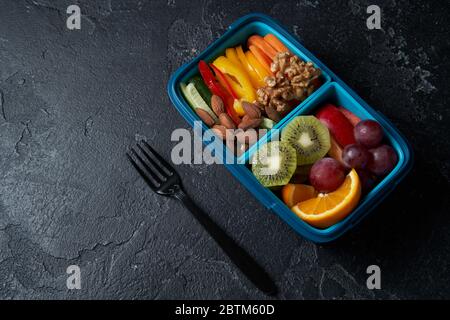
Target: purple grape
column 368, row 133
column 367, row 180
column 384, row 159
column 355, row 156
column 327, row 175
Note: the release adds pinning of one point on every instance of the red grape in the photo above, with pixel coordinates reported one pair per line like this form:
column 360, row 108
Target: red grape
column 383, row 160
column 327, row 175
column 368, row 133
column 355, row 156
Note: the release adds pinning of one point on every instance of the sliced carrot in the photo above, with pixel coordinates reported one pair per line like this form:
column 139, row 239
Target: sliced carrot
column 275, row 43
column 265, row 47
column 262, row 58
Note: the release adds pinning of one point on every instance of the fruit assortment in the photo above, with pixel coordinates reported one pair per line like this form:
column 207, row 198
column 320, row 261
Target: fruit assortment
column 324, row 163
column 250, row 89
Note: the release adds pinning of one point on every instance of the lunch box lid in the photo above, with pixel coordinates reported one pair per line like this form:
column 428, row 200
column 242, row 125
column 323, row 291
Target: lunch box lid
column 245, row 176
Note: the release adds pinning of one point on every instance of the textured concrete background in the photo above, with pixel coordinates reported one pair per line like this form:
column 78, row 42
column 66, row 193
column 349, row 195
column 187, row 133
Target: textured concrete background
column 72, row 102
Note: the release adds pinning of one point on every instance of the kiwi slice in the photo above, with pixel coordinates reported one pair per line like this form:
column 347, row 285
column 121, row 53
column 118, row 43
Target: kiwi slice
column 274, row 164
column 309, row 137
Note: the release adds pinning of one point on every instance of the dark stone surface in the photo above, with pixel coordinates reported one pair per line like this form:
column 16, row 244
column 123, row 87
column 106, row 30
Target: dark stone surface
column 73, row 101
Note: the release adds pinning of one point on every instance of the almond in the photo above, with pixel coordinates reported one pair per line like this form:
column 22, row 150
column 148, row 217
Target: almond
column 248, row 123
column 220, row 130
column 272, row 113
column 251, row 110
column 225, row 120
column 217, row 105
column 205, row 116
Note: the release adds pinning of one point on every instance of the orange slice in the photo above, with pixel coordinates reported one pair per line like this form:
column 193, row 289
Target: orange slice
column 335, row 150
column 329, row 208
column 295, row 193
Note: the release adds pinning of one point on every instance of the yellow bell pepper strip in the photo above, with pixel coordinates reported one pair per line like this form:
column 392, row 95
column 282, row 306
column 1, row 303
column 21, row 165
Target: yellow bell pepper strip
column 256, row 80
column 228, row 83
column 259, row 69
column 237, row 76
column 231, row 54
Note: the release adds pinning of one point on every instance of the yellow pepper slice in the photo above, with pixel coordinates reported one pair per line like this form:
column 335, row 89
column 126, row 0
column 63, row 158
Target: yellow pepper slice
column 231, row 54
column 238, row 77
column 259, row 69
column 256, row 80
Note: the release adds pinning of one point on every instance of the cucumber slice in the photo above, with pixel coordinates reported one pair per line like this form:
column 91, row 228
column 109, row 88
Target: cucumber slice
column 202, row 89
column 195, row 100
column 267, row 123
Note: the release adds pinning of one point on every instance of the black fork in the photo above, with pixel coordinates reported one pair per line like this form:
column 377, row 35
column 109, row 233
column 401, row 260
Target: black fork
column 164, row 180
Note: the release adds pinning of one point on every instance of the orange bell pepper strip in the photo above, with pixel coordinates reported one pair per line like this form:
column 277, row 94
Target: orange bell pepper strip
column 239, row 79
column 262, row 58
column 257, row 81
column 259, row 69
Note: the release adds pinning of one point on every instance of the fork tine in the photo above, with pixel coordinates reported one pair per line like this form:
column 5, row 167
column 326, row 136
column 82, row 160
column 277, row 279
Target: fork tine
column 158, row 168
column 164, row 165
column 146, row 176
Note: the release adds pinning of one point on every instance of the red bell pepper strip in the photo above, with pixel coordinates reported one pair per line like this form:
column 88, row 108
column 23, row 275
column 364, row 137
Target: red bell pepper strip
column 218, row 90
column 223, row 81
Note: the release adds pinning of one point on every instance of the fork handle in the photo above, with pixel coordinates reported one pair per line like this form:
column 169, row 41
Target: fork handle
column 254, row 272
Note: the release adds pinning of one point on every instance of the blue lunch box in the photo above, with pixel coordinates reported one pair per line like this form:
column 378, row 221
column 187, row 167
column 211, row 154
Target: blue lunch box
column 333, row 90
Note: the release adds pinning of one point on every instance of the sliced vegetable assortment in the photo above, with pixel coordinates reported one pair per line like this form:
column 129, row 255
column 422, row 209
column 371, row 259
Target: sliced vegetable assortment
column 252, row 76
